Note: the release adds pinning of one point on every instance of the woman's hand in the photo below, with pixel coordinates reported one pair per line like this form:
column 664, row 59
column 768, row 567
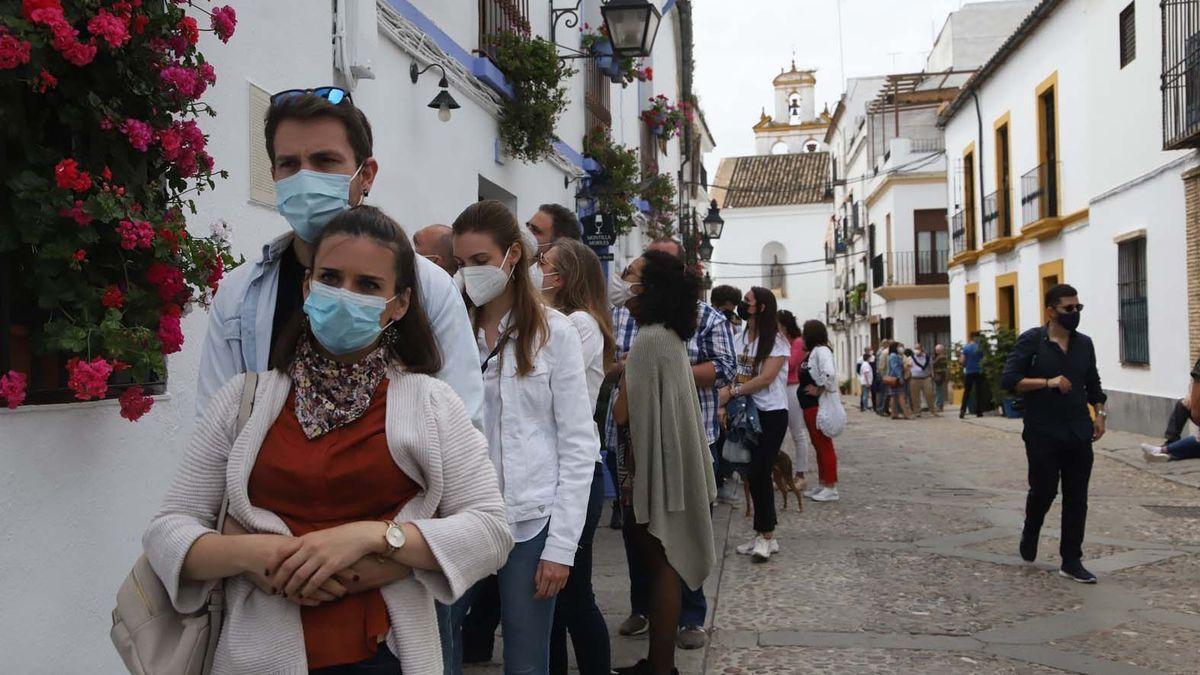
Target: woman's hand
column 812, row 390
column 724, row 394
column 371, row 573
column 331, row 590
column 323, row 553
column 550, row 579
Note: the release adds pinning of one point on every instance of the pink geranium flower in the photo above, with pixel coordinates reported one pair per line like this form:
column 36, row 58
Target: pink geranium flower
column 12, row 388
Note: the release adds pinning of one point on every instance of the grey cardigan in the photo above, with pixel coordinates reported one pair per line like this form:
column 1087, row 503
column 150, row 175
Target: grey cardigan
column 459, row 511
column 673, row 476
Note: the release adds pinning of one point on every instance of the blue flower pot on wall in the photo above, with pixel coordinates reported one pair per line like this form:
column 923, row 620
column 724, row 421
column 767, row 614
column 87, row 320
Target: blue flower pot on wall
column 605, row 61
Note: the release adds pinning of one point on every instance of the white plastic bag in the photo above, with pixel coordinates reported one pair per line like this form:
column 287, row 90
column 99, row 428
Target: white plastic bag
column 831, row 415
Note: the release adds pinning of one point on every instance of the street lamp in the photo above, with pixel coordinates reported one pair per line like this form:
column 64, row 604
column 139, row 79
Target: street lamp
column 714, row 224
column 632, row 26
column 443, row 102
column 584, row 200
column 706, row 250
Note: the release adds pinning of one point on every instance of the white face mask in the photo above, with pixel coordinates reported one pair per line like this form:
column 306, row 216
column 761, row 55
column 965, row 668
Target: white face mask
column 485, row 283
column 619, row 290
column 537, row 276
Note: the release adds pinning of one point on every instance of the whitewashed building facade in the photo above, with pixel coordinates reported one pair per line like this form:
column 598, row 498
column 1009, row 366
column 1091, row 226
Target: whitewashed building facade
column 81, row 482
column 1070, row 176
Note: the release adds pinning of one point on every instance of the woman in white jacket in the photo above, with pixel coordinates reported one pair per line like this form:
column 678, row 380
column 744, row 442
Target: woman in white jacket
column 538, row 421
column 352, row 456
column 818, row 374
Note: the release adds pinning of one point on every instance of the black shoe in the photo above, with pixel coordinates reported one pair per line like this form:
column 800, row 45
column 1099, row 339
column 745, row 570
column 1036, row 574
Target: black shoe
column 642, row 668
column 1076, row 572
column 1028, row 547
column 617, row 520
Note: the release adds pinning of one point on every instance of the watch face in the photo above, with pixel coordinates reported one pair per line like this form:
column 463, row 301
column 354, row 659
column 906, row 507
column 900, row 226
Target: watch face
column 395, row 536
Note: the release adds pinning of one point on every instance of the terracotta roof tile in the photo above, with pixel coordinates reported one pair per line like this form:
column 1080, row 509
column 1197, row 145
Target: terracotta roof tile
column 774, row 180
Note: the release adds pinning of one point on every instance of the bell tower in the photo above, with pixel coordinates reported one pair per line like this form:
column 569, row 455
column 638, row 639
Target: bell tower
column 795, row 125
column 795, row 100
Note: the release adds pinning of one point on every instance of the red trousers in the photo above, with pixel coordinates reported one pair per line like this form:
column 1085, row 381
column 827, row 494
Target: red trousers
column 826, row 457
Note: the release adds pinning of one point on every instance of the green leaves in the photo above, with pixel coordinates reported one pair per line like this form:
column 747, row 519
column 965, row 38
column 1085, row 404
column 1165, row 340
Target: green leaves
column 617, row 186
column 538, row 79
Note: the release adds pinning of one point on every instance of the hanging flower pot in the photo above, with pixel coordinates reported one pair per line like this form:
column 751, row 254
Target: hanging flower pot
column 605, row 61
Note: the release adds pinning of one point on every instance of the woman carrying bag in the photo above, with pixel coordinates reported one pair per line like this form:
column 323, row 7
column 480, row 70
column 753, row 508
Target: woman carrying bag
column 763, row 353
column 819, row 388
column 352, row 454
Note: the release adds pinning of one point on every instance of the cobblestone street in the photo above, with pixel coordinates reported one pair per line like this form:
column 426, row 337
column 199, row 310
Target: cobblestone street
column 916, row 569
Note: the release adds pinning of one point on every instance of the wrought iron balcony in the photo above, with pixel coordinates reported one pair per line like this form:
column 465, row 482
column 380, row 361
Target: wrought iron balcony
column 991, row 217
column 1037, row 195
column 501, row 16
column 958, row 233
column 1181, row 74
column 910, row 268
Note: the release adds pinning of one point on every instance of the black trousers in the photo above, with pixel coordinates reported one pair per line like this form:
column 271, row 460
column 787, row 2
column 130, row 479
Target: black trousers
column 575, row 609
column 1053, row 461
column 383, row 663
column 973, row 383
column 762, row 463
column 1175, row 424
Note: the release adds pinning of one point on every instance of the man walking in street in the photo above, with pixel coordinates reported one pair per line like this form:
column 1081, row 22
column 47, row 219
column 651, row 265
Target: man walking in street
column 710, row 351
column 972, row 363
column 1054, row 368
column 941, row 375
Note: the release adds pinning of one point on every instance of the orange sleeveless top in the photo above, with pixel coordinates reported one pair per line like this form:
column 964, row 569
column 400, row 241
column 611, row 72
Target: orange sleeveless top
column 340, row 477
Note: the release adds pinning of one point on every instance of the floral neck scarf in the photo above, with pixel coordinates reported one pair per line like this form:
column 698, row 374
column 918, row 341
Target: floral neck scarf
column 330, row 394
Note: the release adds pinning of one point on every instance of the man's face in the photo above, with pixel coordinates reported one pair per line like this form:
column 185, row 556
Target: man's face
column 1065, row 305
column 321, row 145
column 938, row 350
column 541, row 226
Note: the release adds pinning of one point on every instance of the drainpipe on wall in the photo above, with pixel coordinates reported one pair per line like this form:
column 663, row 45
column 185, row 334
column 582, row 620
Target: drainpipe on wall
column 979, row 199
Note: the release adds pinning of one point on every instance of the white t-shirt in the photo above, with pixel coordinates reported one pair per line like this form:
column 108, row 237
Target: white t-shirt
column 593, row 351
column 773, row 397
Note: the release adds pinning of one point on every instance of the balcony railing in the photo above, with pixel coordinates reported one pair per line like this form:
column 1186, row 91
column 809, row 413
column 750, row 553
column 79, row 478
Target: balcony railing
column 1181, row 73
column 597, row 97
column 501, row 16
column 991, row 217
column 910, row 268
column 928, row 144
column 958, row 232
column 1038, row 198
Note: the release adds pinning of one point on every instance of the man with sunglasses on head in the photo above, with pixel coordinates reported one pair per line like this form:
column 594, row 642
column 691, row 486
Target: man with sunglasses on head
column 1054, row 368
column 320, row 147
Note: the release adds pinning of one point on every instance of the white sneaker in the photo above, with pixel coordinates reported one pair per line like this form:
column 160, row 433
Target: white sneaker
column 748, row 547
column 826, row 494
column 763, row 549
column 813, row 490
column 1154, row 453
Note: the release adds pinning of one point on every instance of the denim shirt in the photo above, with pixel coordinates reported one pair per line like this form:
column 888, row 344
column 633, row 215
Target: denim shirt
column 240, row 326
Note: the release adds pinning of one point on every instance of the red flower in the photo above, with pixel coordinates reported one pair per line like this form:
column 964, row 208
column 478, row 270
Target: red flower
column 13, row 51
column 186, row 82
column 69, row 177
column 89, row 379
column 139, row 133
column 183, row 145
column 77, row 213
column 170, row 334
column 113, row 298
column 12, row 388
column 188, row 30
column 134, row 403
column 79, row 255
column 135, row 234
column 106, row 173
column 28, row 7
column 45, row 82
column 111, row 28
column 139, row 23
column 171, row 238
column 215, row 272
column 224, row 20
column 167, row 279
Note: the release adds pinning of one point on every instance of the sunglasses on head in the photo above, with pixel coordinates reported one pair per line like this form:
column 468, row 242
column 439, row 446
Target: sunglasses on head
column 1069, row 309
column 335, row 95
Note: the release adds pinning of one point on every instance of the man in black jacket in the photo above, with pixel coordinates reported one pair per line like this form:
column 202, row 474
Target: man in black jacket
column 1054, row 368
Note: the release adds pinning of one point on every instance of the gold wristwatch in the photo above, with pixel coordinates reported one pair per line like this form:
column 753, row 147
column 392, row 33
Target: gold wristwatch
column 394, row 538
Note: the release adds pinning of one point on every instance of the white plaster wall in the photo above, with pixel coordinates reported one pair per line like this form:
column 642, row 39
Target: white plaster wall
column 801, row 231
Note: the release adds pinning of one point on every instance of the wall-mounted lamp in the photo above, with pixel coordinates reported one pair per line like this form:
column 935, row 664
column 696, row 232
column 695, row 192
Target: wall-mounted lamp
column 706, row 249
column 443, row 102
column 632, row 26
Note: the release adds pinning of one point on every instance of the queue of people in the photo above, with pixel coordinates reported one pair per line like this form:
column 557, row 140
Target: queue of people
column 409, row 438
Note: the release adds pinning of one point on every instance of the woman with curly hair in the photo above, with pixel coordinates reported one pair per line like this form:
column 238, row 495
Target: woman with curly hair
column 665, row 468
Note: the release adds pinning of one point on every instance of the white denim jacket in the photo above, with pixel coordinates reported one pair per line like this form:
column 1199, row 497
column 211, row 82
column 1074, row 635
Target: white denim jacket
column 240, row 323
column 548, row 444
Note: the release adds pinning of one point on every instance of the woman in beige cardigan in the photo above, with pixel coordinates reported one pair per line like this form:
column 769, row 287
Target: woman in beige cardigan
column 348, row 410
column 664, row 465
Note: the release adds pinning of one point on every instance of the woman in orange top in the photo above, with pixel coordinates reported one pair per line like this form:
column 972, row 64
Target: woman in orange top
column 352, row 455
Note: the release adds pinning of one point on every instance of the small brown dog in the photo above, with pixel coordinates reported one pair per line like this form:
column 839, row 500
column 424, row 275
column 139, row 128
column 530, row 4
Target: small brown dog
column 784, row 478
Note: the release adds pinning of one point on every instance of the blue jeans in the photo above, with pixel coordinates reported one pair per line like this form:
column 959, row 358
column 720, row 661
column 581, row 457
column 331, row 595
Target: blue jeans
column 383, row 663
column 863, row 399
column 1184, row 448
column 694, row 608
column 525, row 622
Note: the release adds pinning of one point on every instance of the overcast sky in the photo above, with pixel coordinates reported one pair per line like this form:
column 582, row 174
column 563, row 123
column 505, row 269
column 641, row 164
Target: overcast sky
column 742, row 44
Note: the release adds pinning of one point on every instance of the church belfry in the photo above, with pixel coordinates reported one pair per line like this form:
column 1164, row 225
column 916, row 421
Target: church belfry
column 795, row 125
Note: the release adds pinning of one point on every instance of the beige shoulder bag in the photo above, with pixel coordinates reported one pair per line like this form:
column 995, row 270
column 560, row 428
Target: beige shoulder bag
column 151, row 637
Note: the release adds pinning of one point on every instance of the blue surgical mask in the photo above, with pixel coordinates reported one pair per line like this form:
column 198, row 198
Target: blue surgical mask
column 343, row 321
column 310, row 199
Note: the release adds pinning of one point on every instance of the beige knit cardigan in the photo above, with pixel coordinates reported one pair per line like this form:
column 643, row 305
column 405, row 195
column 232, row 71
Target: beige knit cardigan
column 459, row 511
column 673, row 476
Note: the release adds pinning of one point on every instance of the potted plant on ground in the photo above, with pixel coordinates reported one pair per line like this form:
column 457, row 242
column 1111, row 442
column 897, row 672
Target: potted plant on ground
column 998, row 342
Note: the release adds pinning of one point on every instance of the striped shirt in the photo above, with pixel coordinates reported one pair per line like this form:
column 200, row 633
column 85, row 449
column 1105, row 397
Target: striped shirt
column 713, row 342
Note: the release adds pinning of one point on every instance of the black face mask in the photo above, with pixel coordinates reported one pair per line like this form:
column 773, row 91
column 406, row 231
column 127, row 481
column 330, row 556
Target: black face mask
column 1070, row 321
column 743, row 310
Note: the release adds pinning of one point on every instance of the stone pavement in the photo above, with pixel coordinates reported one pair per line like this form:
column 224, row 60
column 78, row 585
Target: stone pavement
column 916, row 570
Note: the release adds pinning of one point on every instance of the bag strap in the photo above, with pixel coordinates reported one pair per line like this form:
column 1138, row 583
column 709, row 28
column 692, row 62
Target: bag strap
column 249, row 386
column 496, row 350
